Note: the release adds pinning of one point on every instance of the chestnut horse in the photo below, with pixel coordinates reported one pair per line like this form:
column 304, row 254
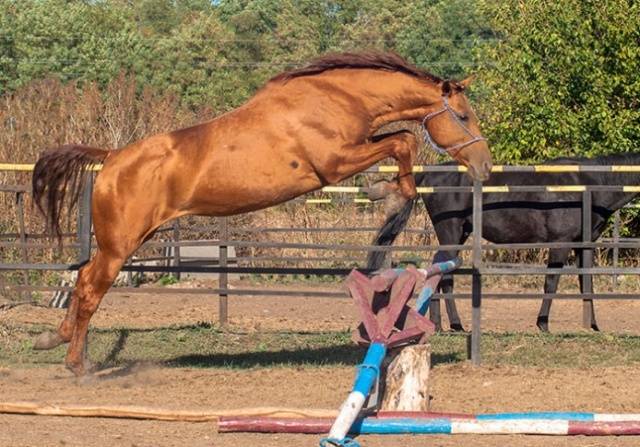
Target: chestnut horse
column 304, row 129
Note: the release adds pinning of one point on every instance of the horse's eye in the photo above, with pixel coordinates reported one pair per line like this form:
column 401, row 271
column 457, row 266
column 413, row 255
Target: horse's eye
column 464, row 117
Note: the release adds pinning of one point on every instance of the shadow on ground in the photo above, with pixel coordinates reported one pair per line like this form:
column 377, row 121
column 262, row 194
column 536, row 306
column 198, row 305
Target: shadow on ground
column 343, row 355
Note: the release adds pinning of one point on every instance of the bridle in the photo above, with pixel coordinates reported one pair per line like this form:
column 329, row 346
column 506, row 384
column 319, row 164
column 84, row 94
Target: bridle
column 452, row 150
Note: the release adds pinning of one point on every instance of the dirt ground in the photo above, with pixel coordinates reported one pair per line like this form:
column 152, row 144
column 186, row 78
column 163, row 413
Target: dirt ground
column 457, row 387
column 142, row 310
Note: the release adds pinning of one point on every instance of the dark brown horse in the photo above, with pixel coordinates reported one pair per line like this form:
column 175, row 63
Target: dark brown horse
column 304, row 129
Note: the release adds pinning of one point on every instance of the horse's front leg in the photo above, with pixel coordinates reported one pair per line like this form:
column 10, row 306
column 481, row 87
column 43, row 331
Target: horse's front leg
column 353, row 158
column 557, row 259
column 405, row 154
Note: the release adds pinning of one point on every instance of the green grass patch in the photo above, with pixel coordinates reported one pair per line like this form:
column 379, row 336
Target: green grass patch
column 209, row 347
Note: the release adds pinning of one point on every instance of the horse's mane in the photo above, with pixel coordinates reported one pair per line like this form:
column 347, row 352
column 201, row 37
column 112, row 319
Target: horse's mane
column 372, row 59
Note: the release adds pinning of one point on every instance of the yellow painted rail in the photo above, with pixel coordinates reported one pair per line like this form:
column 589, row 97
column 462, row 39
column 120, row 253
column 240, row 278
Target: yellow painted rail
column 25, row 167
column 429, row 168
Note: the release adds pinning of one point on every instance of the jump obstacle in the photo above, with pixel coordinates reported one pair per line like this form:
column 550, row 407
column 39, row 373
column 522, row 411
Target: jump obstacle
column 385, row 324
column 391, row 324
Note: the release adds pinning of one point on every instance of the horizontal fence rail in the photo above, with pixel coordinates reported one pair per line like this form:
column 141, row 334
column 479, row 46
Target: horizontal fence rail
column 427, row 168
column 226, row 238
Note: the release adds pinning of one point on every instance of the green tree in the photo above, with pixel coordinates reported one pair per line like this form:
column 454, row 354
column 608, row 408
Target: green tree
column 70, row 40
column 563, row 80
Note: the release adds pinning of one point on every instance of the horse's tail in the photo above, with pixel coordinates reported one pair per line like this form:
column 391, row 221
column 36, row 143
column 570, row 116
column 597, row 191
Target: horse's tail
column 388, row 233
column 59, row 174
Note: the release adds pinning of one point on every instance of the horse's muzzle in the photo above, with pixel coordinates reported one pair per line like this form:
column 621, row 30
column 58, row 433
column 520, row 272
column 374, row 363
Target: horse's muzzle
column 482, row 173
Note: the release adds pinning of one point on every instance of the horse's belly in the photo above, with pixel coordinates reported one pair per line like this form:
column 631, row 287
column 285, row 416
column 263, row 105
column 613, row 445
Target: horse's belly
column 225, row 195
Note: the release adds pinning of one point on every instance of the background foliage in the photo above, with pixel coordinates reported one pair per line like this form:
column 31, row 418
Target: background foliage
column 555, row 78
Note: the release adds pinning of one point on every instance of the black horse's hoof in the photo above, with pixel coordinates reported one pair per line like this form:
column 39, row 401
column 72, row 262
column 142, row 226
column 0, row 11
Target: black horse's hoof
column 457, row 327
column 594, row 327
column 543, row 324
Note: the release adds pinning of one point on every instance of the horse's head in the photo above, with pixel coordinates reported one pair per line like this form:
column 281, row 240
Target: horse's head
column 453, row 128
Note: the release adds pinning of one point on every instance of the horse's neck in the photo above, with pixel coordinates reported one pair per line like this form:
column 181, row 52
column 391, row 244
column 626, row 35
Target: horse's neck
column 388, row 96
column 616, row 200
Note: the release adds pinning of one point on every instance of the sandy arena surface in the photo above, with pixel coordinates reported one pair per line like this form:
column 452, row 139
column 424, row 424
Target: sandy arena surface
column 458, row 387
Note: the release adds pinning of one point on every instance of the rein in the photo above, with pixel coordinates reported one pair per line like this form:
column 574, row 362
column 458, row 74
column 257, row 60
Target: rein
column 453, row 150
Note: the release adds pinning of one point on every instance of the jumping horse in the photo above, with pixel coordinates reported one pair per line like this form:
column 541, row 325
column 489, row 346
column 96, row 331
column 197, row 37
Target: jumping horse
column 304, row 129
column 522, row 217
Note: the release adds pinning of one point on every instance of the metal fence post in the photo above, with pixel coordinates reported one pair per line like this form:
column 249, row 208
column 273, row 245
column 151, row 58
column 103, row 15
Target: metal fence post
column 223, row 302
column 587, row 260
column 23, row 238
column 84, row 220
column 616, row 249
column 476, row 285
column 176, row 248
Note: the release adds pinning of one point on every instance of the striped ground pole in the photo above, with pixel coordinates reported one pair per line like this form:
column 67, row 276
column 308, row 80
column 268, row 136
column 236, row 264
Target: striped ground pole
column 542, row 423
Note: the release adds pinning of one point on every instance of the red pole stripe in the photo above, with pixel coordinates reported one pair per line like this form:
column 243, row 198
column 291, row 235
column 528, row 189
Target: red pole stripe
column 601, row 428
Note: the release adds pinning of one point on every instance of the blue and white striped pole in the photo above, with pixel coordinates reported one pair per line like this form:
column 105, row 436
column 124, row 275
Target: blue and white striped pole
column 435, row 271
column 368, row 373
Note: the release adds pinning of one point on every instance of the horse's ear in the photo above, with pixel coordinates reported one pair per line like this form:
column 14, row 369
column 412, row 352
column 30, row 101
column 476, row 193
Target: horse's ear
column 467, row 81
column 446, row 88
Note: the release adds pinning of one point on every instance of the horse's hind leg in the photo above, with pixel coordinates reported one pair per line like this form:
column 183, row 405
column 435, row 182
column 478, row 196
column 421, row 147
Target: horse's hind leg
column 452, row 311
column 50, row 339
column 94, row 280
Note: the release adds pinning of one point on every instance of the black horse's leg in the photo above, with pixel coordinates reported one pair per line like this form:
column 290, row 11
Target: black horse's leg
column 586, row 286
column 434, row 306
column 446, row 287
column 452, row 310
column 557, row 259
column 434, row 313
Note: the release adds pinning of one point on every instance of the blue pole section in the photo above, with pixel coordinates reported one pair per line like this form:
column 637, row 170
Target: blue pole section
column 422, row 303
column 370, row 368
column 371, row 426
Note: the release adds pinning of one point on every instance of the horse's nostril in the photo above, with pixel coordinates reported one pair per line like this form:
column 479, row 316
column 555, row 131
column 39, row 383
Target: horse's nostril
column 486, row 168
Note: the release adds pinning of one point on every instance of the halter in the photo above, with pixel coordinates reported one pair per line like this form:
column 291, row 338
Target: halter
column 453, row 150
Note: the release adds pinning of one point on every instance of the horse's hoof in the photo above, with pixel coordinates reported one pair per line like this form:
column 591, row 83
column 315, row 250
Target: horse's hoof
column 457, row 327
column 86, row 379
column 380, row 190
column 409, row 191
column 594, row 327
column 48, row 340
column 543, row 325
column 393, row 203
column 81, row 370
